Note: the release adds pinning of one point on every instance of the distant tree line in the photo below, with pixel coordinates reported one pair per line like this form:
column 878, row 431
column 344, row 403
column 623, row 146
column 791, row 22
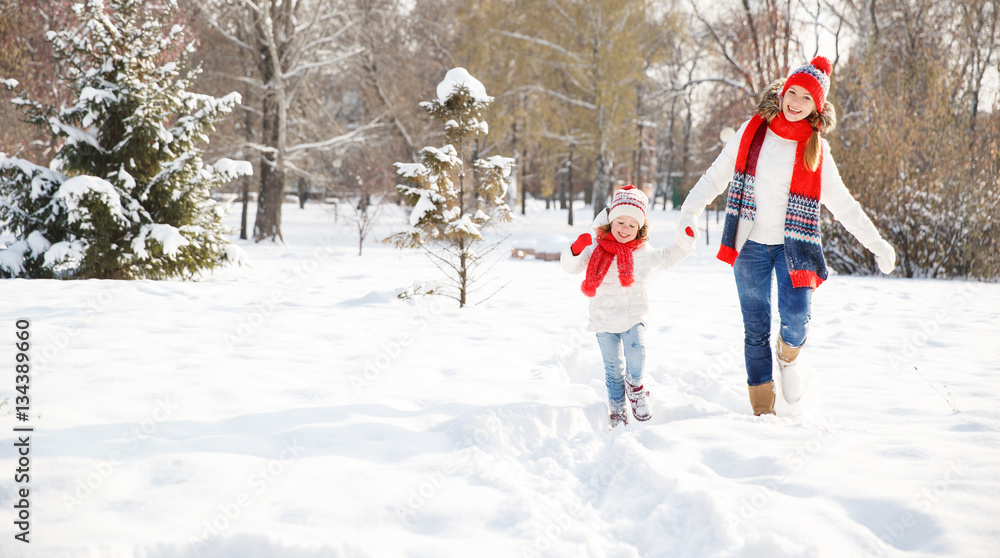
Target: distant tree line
column 589, row 95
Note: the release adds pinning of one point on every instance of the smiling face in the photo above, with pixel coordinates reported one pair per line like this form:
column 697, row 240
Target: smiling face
column 797, row 103
column 624, row 228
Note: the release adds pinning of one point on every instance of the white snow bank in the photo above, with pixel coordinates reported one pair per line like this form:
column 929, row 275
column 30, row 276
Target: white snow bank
column 247, row 413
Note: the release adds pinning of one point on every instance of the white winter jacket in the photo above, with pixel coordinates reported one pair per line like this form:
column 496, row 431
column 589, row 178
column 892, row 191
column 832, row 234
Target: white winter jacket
column 771, row 187
column 614, row 308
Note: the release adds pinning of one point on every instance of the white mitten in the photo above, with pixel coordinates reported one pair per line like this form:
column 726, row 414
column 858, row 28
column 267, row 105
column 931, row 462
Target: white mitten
column 687, row 226
column 685, row 241
column 885, row 257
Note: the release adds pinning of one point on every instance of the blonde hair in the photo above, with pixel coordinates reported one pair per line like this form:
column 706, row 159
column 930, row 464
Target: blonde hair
column 814, row 148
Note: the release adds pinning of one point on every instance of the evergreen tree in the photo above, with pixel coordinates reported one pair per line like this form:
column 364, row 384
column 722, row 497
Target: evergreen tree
column 451, row 204
column 127, row 195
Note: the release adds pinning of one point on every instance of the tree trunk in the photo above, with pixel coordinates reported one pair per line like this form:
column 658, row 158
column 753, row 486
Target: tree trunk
column 602, row 183
column 463, row 273
column 267, row 224
column 524, row 183
column 245, row 181
column 638, row 174
column 569, row 185
column 562, row 196
column 276, row 31
column 246, row 203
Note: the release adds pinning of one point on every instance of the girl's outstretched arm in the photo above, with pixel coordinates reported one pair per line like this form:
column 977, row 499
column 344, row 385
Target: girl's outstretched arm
column 845, row 209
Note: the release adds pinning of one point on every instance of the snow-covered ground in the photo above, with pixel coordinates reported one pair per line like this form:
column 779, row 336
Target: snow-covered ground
column 297, row 408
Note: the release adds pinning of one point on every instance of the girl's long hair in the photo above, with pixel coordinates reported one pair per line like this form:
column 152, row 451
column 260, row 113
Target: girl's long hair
column 813, row 146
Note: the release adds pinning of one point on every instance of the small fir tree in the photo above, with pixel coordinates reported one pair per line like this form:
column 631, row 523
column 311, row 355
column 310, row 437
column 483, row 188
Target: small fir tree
column 451, row 204
column 127, row 195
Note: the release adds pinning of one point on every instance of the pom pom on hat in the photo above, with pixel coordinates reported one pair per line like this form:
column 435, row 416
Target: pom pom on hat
column 814, row 78
column 629, row 201
column 822, row 64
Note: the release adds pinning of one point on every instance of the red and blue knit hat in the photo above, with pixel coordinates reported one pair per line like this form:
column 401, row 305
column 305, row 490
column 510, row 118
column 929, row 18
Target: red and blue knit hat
column 629, row 201
column 815, row 78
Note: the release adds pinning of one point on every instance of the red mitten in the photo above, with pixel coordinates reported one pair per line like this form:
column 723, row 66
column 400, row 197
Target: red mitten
column 582, row 242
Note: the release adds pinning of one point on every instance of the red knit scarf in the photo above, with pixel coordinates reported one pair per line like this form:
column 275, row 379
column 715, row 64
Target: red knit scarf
column 803, row 246
column 605, row 252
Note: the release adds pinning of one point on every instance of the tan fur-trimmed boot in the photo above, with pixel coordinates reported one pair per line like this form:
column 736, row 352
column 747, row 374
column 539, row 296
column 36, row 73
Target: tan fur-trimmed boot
column 792, row 380
column 762, row 398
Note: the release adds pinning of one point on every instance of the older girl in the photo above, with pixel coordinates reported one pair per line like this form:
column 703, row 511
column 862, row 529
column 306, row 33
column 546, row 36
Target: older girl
column 779, row 170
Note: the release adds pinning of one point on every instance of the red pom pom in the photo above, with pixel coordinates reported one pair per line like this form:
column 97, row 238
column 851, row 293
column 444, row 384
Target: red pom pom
column 689, row 231
column 629, row 187
column 822, row 64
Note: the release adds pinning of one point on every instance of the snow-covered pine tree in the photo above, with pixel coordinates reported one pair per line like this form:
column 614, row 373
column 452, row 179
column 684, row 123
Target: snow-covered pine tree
column 451, row 203
column 128, row 194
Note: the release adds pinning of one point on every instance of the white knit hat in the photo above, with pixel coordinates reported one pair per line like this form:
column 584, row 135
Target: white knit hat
column 629, row 201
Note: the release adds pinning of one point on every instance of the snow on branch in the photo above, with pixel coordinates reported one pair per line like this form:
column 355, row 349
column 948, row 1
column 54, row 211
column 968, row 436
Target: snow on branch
column 556, row 94
column 544, row 43
column 354, row 135
column 732, row 83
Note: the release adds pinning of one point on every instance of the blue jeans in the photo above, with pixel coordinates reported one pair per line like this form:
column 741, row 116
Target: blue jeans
column 630, row 344
column 754, row 267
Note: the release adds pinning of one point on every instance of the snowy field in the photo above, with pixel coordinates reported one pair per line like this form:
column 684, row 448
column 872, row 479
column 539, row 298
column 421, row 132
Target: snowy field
column 297, row 407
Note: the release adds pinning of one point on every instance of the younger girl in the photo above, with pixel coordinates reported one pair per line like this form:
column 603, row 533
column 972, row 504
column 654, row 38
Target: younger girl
column 617, row 268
